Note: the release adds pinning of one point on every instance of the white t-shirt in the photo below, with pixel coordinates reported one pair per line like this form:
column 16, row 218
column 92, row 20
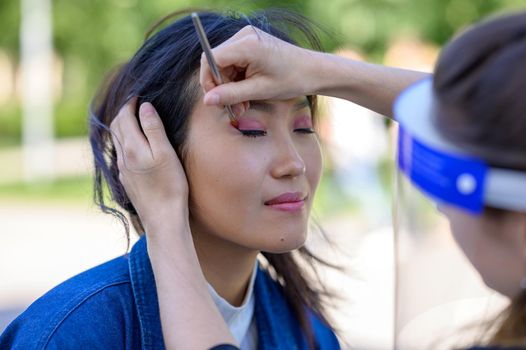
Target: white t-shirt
column 240, row 319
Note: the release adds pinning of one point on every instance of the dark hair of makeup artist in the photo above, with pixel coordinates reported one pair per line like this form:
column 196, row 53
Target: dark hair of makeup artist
column 480, row 85
column 164, row 72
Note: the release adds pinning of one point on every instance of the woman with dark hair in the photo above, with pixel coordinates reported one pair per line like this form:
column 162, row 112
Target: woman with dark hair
column 240, row 199
column 473, row 104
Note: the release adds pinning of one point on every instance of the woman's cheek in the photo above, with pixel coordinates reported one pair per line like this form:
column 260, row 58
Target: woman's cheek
column 314, row 164
column 251, row 160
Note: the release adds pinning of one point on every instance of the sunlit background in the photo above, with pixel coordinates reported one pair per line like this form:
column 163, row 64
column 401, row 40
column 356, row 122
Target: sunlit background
column 53, row 55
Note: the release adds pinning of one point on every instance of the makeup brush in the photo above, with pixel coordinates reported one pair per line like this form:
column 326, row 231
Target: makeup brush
column 212, row 63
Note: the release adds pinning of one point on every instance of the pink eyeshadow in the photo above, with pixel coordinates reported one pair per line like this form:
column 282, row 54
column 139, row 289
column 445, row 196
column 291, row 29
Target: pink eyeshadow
column 303, row 122
column 249, row 124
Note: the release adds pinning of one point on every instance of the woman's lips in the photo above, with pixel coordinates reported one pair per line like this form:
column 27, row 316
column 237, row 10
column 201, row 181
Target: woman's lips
column 290, row 201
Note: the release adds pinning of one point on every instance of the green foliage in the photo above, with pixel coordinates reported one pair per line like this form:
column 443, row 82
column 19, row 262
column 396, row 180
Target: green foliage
column 73, row 190
column 369, row 25
column 92, row 36
column 9, row 24
column 10, row 125
column 71, row 120
column 330, row 199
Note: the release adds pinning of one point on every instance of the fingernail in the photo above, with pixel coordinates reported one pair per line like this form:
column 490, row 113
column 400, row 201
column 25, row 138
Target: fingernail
column 147, row 109
column 211, row 99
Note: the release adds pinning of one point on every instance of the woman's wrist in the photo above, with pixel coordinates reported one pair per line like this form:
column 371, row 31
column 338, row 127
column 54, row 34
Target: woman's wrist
column 170, row 237
column 172, row 253
column 165, row 216
column 168, row 233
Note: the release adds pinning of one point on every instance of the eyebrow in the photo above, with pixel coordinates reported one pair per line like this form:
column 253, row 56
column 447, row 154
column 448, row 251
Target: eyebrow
column 268, row 107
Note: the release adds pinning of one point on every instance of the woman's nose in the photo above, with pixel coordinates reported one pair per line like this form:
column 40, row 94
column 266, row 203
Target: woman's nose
column 288, row 163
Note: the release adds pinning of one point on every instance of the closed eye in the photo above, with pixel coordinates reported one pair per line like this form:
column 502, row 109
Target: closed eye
column 305, row 130
column 253, row 133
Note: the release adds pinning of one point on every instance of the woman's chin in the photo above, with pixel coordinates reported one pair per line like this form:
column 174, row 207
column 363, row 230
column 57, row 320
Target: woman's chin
column 284, row 243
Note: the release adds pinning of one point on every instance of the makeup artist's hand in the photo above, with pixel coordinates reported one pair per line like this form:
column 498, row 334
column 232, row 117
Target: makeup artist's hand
column 149, row 168
column 258, row 66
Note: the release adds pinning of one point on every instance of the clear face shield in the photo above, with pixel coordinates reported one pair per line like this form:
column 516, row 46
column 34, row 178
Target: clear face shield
column 441, row 299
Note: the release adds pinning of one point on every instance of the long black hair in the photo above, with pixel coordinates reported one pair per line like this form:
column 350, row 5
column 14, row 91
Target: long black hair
column 164, row 72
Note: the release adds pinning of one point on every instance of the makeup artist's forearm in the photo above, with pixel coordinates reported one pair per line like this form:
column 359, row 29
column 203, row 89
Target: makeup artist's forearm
column 372, row 86
column 189, row 317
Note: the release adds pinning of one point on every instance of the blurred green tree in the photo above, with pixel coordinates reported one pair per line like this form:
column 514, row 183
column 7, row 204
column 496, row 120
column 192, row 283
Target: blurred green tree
column 92, row 36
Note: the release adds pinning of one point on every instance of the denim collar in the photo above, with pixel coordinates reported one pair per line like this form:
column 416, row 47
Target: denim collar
column 145, row 294
column 277, row 328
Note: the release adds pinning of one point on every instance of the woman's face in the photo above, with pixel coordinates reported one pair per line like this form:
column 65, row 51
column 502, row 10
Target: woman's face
column 494, row 244
column 253, row 189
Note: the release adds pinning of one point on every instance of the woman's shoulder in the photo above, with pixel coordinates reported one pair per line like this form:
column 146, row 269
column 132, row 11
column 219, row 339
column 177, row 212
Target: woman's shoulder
column 323, row 333
column 272, row 293
column 90, row 305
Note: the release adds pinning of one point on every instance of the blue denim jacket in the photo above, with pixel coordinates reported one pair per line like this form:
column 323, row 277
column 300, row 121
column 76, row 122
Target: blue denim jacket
column 114, row 306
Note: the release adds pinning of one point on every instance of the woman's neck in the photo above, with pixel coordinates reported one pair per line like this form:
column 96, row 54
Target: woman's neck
column 226, row 265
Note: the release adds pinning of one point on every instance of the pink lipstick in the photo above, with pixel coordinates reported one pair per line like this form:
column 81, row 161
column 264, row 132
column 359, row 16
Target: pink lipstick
column 289, row 201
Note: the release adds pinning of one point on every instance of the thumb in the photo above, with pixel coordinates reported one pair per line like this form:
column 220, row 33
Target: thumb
column 153, row 128
column 235, row 92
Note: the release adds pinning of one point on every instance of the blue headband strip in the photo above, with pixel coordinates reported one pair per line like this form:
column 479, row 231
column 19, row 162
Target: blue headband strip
column 444, row 171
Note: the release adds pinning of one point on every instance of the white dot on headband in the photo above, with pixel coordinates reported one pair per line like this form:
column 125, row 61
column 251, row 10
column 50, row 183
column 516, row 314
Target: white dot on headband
column 466, row 184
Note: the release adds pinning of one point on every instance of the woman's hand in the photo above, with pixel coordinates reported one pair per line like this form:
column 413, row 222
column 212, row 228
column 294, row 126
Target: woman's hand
column 149, row 168
column 155, row 182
